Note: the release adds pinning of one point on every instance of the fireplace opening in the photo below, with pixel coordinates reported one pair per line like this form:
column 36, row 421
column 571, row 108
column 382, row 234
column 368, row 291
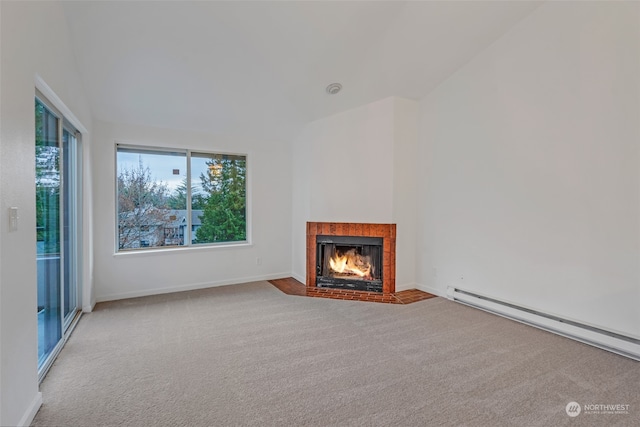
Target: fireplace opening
column 349, row 262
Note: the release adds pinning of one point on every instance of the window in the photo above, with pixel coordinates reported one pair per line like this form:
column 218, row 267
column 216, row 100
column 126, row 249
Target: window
column 173, row 198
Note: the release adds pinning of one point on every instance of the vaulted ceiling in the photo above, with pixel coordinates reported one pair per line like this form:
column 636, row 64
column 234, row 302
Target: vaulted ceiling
column 260, row 68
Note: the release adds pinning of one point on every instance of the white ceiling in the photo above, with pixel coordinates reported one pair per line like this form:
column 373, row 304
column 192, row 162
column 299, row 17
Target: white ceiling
column 260, row 68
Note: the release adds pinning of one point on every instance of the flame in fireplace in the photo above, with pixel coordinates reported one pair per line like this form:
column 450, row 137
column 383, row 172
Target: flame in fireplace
column 351, row 263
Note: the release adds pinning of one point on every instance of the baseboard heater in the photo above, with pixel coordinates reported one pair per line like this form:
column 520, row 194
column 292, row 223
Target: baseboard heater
column 601, row 338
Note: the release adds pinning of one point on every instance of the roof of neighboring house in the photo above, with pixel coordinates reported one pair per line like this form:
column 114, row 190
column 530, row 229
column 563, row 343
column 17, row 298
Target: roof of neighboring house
column 174, row 218
column 181, row 217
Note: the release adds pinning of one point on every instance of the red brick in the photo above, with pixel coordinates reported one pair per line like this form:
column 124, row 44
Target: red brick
column 337, row 229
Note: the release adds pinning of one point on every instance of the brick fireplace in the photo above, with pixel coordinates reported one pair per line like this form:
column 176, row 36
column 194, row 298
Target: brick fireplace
column 345, row 232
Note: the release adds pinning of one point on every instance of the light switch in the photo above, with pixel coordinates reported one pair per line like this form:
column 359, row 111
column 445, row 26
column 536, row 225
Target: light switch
column 13, row 219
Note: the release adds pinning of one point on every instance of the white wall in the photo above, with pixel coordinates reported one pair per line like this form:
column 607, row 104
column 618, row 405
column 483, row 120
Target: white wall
column 405, row 188
column 34, row 40
column 530, row 177
column 351, row 167
column 134, row 274
column 300, row 203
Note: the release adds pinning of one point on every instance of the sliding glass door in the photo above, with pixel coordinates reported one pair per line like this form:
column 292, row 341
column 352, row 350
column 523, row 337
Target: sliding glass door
column 48, row 183
column 56, row 229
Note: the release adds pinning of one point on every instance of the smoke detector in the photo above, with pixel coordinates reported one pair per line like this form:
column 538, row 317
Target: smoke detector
column 334, row 88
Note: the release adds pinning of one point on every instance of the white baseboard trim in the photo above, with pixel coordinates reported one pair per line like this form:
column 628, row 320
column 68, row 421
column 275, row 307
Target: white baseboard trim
column 31, row 412
column 431, row 290
column 189, row 287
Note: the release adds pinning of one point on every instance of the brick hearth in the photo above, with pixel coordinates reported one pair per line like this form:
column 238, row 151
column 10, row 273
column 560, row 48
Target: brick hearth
column 386, row 231
column 291, row 286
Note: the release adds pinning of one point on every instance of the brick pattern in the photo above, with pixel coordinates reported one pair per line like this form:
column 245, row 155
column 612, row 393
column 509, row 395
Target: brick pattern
column 386, row 231
column 291, row 286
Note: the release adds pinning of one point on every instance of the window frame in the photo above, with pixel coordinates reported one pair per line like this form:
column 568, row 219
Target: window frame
column 188, row 245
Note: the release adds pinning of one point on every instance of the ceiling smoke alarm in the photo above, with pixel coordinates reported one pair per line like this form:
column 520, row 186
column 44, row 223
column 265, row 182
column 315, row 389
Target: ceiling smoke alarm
column 334, row 88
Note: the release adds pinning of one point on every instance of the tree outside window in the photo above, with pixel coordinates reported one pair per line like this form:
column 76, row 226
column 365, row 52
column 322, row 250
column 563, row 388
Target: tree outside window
column 224, row 216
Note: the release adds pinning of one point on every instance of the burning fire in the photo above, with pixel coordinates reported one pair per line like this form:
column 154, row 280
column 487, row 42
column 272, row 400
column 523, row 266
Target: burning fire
column 351, row 263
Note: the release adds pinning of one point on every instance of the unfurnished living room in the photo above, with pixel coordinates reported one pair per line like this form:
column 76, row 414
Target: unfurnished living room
column 319, row 213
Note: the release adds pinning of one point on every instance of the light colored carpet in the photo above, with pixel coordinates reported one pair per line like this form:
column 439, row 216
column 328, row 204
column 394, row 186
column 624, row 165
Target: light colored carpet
column 251, row 355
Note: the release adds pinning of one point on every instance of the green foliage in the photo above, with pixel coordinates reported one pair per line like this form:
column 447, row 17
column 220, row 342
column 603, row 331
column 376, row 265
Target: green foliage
column 178, row 200
column 224, row 211
column 47, row 181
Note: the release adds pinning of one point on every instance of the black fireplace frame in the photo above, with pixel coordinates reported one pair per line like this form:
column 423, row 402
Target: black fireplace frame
column 370, row 246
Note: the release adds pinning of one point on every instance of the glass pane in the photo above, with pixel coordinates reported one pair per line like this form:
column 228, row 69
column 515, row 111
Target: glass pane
column 152, row 203
column 69, row 225
column 48, row 231
column 218, row 198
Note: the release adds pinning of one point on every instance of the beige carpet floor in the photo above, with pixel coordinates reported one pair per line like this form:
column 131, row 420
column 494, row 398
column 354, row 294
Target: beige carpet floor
column 251, row 355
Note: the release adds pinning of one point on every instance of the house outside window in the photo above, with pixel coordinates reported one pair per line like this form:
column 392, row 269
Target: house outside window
column 174, row 198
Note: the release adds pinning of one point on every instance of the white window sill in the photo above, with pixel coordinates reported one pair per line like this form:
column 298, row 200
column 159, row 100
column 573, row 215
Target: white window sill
column 181, row 249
